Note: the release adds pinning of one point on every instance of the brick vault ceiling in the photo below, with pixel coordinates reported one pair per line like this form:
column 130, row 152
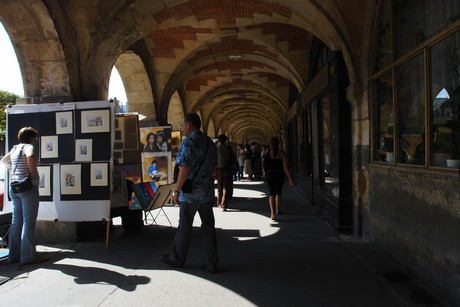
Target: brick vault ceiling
column 233, row 61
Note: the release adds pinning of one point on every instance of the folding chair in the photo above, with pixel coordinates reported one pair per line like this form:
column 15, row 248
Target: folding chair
column 162, row 195
column 151, row 197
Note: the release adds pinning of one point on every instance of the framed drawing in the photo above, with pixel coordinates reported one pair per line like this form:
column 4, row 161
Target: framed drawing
column 99, row 175
column 44, row 185
column 70, row 179
column 84, row 150
column 64, row 123
column 49, row 146
column 95, row 121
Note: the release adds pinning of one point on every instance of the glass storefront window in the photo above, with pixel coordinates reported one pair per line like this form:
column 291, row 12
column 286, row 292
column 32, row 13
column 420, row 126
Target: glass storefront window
column 445, row 101
column 418, row 20
column 326, row 139
column 383, row 47
column 330, row 170
column 423, row 76
column 384, row 124
column 410, row 97
column 308, row 172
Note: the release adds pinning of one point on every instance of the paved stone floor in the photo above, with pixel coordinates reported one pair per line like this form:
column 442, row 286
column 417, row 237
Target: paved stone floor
column 297, row 261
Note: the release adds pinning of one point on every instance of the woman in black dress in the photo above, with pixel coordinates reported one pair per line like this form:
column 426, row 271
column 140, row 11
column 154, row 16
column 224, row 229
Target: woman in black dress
column 276, row 167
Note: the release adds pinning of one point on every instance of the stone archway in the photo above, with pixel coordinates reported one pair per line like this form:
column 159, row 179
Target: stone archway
column 137, row 84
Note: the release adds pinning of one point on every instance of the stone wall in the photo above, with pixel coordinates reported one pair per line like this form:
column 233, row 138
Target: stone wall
column 415, row 214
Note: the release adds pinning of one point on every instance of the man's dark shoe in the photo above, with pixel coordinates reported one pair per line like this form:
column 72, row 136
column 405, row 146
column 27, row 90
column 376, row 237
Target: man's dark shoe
column 167, row 260
column 210, row 269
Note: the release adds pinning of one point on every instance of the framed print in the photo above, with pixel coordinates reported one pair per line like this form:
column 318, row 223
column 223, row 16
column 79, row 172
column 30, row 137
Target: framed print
column 49, row 146
column 70, row 179
column 155, row 139
column 84, row 150
column 44, row 185
column 64, row 123
column 155, row 167
column 95, row 121
column 99, row 175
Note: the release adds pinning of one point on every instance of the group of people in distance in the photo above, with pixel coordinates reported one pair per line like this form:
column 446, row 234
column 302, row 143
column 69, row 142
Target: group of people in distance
column 272, row 160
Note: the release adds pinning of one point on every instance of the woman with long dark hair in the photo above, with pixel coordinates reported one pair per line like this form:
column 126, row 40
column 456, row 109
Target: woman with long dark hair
column 151, row 143
column 276, row 167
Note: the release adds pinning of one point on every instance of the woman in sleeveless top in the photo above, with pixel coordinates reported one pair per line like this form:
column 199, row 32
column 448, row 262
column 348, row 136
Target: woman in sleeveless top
column 276, row 167
column 21, row 162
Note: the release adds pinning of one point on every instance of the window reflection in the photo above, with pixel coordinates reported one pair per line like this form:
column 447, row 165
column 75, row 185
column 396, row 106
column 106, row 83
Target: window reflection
column 410, row 95
column 445, row 101
column 418, row 20
column 329, row 158
column 383, row 47
column 417, row 89
column 383, row 96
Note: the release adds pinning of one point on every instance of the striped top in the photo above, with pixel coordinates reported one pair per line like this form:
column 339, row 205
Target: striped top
column 22, row 169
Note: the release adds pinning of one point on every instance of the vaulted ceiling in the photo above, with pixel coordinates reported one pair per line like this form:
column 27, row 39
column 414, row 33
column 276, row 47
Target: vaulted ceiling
column 233, row 61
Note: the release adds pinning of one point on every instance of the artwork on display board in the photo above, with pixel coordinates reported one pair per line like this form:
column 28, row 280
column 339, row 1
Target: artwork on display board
column 45, row 182
column 64, row 123
column 95, row 121
column 70, row 179
column 84, row 150
column 156, row 167
column 176, row 139
column 155, row 139
column 49, row 146
column 99, row 174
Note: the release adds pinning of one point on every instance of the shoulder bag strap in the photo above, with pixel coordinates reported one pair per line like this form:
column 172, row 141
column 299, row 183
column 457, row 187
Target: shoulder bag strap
column 20, row 154
column 201, row 163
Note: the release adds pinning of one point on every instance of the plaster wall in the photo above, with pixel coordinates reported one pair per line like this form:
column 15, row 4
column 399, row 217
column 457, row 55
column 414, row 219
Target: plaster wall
column 415, row 215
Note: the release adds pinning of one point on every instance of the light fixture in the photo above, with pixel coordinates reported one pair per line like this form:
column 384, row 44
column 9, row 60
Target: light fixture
column 234, row 56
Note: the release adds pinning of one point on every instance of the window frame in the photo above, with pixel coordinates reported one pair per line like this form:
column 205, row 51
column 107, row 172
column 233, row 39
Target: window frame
column 424, row 49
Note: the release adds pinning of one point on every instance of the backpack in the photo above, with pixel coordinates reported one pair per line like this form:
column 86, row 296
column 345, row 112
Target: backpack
column 233, row 164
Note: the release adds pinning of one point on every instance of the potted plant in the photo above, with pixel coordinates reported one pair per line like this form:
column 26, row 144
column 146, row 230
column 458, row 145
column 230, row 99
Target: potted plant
column 441, row 147
column 388, row 145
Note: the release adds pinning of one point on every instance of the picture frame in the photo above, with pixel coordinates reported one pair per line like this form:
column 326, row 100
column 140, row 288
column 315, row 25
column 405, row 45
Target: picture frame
column 155, row 139
column 49, row 146
column 70, row 179
column 99, row 175
column 156, row 167
column 64, row 122
column 95, row 121
column 84, row 150
column 46, row 180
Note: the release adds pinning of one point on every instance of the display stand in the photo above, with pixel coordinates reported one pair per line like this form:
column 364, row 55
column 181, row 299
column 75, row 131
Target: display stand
column 162, row 195
column 75, row 158
column 151, row 200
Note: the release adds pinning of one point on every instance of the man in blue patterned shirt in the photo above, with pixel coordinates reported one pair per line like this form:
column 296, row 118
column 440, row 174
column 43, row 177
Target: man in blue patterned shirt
column 197, row 160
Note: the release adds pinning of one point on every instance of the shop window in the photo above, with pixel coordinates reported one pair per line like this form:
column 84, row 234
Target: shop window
column 411, row 111
column 383, row 51
column 416, row 92
column 293, row 146
column 384, row 124
column 308, row 155
column 445, row 101
column 326, row 138
column 418, row 20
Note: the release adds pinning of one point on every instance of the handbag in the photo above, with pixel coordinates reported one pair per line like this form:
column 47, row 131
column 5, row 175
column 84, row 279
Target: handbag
column 187, row 187
column 19, row 186
column 22, row 185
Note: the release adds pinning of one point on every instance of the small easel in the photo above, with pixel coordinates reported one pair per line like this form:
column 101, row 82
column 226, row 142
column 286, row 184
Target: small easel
column 162, row 195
